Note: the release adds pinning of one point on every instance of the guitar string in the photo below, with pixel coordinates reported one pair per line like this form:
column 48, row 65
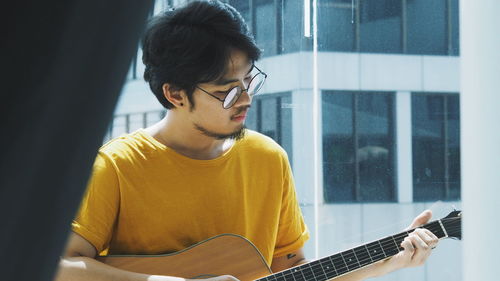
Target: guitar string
column 316, row 265
column 343, row 269
column 319, row 265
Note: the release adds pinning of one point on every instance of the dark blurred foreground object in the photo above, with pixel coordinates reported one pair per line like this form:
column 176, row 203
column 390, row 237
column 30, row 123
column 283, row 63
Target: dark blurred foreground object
column 64, row 64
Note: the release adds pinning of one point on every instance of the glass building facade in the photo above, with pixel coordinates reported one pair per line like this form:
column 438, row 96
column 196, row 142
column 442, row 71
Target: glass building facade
column 358, row 127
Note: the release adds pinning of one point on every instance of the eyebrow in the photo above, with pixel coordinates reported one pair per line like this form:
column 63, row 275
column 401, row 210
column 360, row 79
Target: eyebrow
column 223, row 81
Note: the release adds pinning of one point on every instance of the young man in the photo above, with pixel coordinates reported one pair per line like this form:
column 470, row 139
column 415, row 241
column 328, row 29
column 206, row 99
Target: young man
column 198, row 172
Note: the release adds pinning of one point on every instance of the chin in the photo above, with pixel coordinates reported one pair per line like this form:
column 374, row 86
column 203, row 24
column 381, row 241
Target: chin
column 236, row 134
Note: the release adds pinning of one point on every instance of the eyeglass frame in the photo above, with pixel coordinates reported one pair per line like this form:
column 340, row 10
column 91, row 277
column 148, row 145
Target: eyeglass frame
column 241, row 92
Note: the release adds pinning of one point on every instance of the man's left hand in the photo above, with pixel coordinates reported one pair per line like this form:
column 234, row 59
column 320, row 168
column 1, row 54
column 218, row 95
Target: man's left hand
column 417, row 247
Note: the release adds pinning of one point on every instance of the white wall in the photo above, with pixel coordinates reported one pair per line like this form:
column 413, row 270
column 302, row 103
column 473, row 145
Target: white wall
column 480, row 134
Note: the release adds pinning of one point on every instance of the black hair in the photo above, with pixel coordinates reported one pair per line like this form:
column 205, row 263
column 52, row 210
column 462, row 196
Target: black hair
column 192, row 45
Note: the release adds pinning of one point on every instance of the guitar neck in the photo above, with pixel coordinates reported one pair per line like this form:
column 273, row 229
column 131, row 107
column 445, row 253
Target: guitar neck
column 352, row 259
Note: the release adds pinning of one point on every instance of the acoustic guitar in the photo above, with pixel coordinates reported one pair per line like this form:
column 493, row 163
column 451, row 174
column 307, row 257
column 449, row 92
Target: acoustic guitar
column 234, row 255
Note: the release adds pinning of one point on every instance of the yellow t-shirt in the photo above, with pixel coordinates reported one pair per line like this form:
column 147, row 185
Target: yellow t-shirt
column 145, row 198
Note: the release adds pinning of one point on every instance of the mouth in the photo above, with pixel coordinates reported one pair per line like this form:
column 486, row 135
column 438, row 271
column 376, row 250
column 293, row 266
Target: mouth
column 241, row 116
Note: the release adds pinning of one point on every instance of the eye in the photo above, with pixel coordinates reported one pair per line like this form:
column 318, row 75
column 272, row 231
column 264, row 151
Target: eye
column 220, row 94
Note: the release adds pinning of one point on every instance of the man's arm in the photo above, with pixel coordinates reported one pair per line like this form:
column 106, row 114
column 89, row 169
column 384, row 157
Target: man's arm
column 417, row 248
column 78, row 264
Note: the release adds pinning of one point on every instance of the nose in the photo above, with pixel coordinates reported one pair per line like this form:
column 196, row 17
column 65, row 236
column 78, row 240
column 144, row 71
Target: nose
column 244, row 99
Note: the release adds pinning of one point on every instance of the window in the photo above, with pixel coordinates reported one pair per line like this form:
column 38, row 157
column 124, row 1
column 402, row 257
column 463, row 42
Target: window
column 243, row 6
column 265, row 26
column 358, row 146
column 427, row 26
column 389, row 26
column 291, row 25
column 380, row 26
column 271, row 115
column 436, row 147
column 336, row 31
column 453, row 10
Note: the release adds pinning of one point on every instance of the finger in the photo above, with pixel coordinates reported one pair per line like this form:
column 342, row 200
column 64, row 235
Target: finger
column 408, row 248
column 422, row 250
column 425, row 235
column 421, row 219
column 430, row 238
column 417, row 241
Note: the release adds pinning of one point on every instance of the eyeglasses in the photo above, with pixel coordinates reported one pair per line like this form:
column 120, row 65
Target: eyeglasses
column 230, row 97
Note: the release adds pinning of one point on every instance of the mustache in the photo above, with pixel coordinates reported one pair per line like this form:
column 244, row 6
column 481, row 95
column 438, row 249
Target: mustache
column 241, row 109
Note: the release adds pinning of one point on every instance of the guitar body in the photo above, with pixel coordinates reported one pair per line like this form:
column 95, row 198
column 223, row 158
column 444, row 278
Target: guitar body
column 220, row 255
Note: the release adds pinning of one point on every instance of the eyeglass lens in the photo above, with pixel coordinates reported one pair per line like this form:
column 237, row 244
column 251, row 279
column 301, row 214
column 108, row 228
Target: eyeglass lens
column 255, row 85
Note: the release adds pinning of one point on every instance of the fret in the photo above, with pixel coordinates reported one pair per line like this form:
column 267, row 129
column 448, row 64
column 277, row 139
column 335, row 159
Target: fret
column 312, row 271
column 286, row 275
column 368, row 252
column 362, row 255
column 280, row 277
column 395, row 242
column 298, row 274
column 435, row 228
column 376, row 251
column 350, row 259
column 400, row 237
column 307, row 272
column 331, row 265
column 382, row 248
column 389, row 245
column 340, row 264
column 271, row 278
column 318, row 271
column 324, row 271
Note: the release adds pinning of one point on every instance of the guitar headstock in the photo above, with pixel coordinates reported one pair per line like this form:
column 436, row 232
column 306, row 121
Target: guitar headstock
column 453, row 224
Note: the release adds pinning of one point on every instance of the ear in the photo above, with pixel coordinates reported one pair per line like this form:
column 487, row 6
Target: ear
column 174, row 95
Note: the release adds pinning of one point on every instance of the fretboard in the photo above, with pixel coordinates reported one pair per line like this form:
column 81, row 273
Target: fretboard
column 350, row 260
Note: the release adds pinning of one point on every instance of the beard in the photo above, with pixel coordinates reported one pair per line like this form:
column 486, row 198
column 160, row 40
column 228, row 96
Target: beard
column 236, row 135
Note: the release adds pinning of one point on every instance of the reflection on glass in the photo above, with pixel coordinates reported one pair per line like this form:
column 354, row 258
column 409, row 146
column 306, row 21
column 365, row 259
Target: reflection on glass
column 358, row 147
column 251, row 120
column 272, row 116
column 436, row 153
column 269, row 118
column 336, row 31
column 243, row 7
column 265, row 33
column 380, row 26
column 375, row 147
column 454, row 146
column 291, row 25
column 455, row 46
column 427, row 26
column 338, row 149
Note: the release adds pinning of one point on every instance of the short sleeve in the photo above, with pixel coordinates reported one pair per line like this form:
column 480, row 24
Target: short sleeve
column 292, row 231
column 99, row 207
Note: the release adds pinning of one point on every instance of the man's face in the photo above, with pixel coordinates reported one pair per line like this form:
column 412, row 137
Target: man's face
column 209, row 116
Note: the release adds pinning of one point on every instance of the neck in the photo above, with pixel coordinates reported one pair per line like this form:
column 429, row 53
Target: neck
column 188, row 142
column 344, row 262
